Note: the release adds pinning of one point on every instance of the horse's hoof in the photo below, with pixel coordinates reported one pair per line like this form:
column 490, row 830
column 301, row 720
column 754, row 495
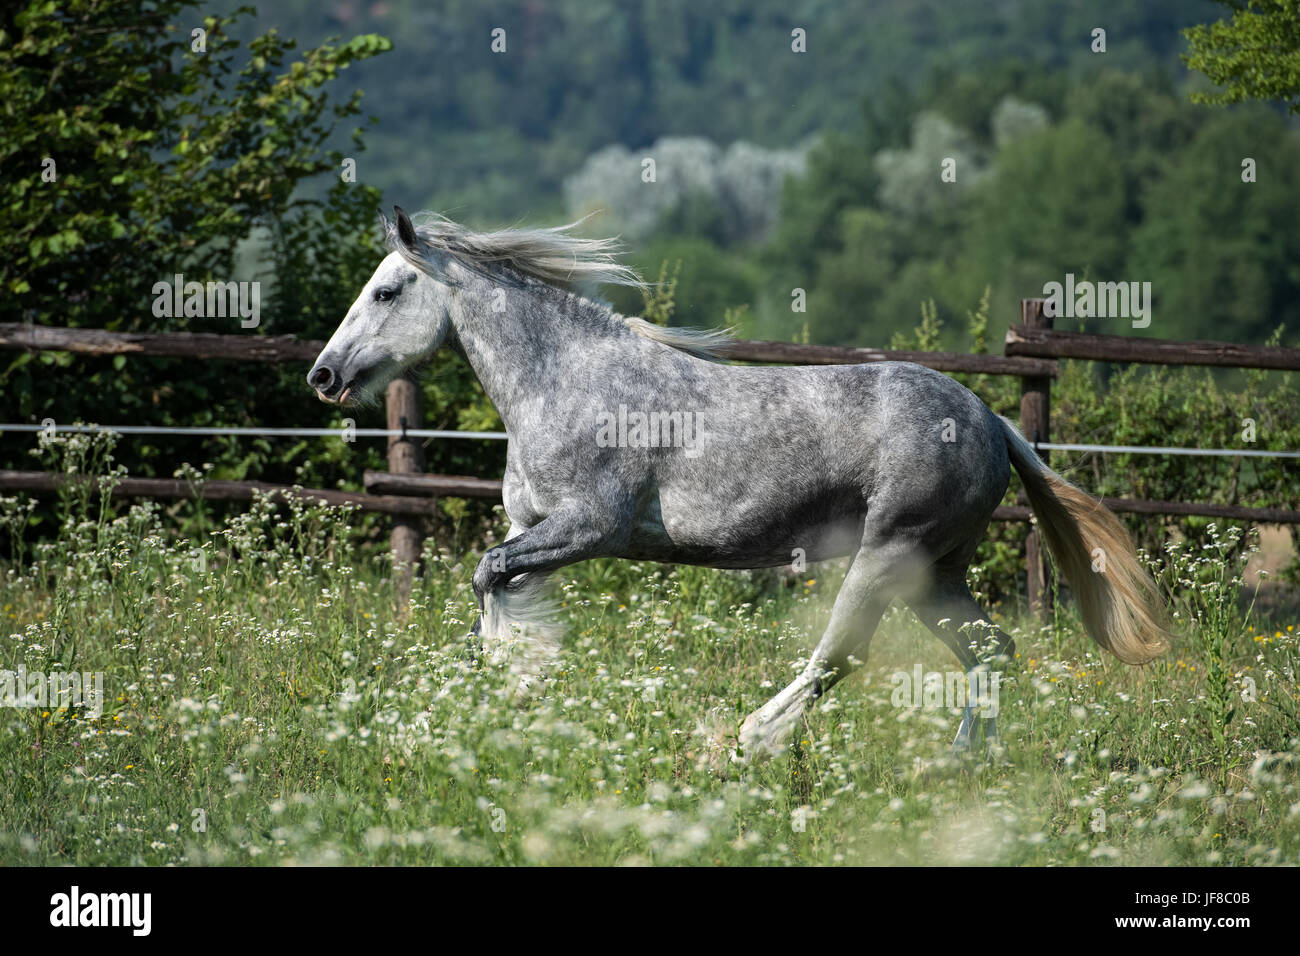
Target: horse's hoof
column 761, row 738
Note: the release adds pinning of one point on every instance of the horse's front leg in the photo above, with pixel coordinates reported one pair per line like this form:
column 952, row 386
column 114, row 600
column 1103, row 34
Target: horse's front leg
column 516, row 622
column 473, row 639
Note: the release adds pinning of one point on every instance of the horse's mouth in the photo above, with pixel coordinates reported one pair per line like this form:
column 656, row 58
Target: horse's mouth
column 343, row 395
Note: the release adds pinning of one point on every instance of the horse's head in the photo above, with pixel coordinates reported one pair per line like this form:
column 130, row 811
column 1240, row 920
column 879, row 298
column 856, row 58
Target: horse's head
column 399, row 320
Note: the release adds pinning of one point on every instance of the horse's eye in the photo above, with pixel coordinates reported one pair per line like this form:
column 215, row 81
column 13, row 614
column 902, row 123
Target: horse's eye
column 384, row 295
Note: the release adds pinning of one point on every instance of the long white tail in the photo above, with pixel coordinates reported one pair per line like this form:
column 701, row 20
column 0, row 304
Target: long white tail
column 1118, row 601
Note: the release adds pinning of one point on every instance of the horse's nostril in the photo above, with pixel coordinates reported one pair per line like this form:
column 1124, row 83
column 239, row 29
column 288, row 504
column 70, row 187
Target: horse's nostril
column 320, row 378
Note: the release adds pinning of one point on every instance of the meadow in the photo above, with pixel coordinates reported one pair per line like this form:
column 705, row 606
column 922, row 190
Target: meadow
column 266, row 703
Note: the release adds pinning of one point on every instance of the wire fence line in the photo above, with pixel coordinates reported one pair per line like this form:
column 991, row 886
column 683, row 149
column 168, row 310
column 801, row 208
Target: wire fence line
column 501, row 436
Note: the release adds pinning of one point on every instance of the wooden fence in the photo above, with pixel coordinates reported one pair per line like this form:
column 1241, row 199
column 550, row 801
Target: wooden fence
column 408, row 494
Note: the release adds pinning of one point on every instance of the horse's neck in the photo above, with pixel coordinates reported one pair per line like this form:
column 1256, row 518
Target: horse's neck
column 519, row 344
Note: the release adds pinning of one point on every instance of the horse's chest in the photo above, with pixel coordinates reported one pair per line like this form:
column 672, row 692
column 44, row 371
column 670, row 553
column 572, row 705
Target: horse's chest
column 534, row 487
column 525, row 506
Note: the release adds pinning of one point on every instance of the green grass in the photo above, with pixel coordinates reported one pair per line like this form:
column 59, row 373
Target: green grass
column 265, row 705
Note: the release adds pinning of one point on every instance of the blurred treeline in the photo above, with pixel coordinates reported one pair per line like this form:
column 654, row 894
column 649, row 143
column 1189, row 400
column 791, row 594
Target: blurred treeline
column 1068, row 160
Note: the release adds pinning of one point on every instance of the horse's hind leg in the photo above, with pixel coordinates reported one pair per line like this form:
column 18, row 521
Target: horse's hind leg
column 983, row 650
column 878, row 574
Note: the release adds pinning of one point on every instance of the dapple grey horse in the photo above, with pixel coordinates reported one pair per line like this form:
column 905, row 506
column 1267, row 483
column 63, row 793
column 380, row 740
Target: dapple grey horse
column 630, row 440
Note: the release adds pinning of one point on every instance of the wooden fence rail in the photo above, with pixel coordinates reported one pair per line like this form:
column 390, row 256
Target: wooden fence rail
column 1046, row 342
column 199, row 345
column 456, row 486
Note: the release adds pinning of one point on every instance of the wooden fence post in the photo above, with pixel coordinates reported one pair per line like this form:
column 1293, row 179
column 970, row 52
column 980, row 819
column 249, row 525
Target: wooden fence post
column 405, row 456
column 1035, row 424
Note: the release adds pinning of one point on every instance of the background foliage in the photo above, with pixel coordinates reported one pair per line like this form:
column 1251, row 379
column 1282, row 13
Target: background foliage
column 172, row 161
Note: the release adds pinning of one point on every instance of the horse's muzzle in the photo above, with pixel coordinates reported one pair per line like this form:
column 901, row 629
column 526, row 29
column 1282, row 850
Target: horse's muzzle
column 328, row 384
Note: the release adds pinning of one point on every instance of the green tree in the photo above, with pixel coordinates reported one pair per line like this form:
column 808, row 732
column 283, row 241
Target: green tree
column 707, row 281
column 129, row 152
column 1048, row 213
column 1222, row 255
column 1254, row 55
column 140, row 143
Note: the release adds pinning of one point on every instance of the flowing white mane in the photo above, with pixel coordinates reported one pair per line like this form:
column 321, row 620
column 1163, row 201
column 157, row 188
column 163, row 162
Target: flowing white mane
column 551, row 255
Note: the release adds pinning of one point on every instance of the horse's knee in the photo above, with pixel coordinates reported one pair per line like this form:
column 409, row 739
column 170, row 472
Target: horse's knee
column 489, row 575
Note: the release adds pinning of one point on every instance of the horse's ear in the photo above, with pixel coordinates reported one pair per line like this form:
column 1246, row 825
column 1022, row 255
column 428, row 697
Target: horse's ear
column 384, row 223
column 405, row 231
